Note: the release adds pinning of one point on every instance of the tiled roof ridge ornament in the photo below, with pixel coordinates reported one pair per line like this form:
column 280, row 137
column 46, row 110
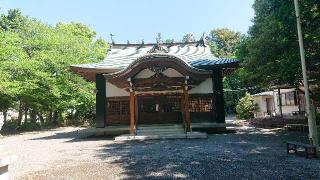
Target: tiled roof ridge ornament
column 201, row 41
column 157, row 48
column 142, row 44
column 111, row 37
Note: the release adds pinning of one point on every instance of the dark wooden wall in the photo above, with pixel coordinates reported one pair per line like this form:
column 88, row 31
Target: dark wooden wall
column 218, row 97
column 202, row 110
column 100, row 101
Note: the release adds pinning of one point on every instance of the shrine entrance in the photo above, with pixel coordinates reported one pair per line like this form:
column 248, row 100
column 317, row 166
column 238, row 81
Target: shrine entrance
column 159, row 109
column 158, row 88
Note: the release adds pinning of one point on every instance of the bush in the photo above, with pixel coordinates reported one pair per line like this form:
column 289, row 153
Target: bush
column 246, row 107
column 318, row 118
column 12, row 127
column 9, row 126
column 29, row 126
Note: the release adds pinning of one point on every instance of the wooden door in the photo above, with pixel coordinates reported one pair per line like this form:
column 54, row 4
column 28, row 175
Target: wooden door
column 159, row 109
column 269, row 105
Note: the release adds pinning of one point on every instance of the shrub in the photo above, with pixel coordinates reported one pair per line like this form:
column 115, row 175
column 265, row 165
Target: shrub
column 29, row 126
column 12, row 127
column 246, row 107
column 9, row 126
column 318, row 118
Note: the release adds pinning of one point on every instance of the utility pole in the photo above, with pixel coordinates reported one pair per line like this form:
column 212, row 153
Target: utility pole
column 310, row 112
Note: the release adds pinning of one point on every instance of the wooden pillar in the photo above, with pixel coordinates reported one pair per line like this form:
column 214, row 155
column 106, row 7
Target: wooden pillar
column 280, row 102
column 132, row 116
column 218, row 97
column 297, row 100
column 136, row 110
column 186, row 109
column 101, row 101
column 183, row 110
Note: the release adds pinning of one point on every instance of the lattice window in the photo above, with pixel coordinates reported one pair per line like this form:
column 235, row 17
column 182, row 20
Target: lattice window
column 125, row 107
column 172, row 104
column 200, row 104
column 113, row 107
column 118, row 107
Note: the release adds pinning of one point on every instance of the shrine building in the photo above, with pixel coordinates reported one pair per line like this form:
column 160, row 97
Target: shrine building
column 159, row 83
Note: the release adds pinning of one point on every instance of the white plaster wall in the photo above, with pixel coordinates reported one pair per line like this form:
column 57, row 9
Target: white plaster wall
column 203, row 88
column 261, row 102
column 172, row 73
column 113, row 91
column 145, row 73
column 286, row 110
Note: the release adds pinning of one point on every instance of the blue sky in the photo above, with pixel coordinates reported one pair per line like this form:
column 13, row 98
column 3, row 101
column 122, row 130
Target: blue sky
column 134, row 20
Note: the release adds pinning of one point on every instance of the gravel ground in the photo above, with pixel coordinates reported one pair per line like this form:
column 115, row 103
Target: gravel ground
column 249, row 154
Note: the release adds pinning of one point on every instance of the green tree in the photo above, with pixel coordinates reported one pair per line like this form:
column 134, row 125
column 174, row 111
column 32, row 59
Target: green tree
column 169, row 40
column 14, row 20
column 246, row 107
column 224, row 42
column 270, row 53
column 35, row 61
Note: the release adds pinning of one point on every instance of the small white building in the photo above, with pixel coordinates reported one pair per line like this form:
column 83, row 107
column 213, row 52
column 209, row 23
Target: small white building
column 290, row 102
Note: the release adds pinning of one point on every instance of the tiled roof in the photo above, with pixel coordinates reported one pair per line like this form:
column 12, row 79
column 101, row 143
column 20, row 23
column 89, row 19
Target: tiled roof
column 194, row 54
column 266, row 93
column 210, row 62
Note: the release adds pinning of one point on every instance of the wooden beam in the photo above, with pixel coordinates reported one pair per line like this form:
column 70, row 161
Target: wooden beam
column 186, row 109
column 132, row 109
column 172, row 80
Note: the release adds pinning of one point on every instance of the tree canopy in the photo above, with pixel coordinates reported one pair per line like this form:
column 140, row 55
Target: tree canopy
column 271, row 49
column 34, row 66
column 224, row 42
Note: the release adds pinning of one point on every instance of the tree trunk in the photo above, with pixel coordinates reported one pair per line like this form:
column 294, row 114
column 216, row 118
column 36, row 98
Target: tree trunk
column 50, row 116
column 20, row 113
column 55, row 117
column 4, row 116
column 33, row 116
column 41, row 118
column 25, row 114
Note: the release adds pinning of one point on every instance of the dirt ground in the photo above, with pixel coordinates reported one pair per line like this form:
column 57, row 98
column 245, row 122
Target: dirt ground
column 250, row 153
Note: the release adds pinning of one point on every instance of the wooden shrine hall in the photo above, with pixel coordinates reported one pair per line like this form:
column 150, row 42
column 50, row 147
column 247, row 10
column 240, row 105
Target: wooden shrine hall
column 159, row 83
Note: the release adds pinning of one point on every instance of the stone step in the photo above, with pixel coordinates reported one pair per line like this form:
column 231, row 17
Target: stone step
column 189, row 135
column 159, row 127
column 160, row 131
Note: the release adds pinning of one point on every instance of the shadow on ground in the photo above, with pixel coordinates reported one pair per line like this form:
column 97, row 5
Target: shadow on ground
column 251, row 154
column 75, row 136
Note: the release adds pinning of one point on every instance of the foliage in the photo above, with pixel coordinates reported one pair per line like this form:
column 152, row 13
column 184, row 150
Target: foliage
column 13, row 127
column 169, row 40
column 234, row 90
column 35, row 61
column 318, row 117
column 246, row 107
column 270, row 53
column 10, row 126
column 223, row 42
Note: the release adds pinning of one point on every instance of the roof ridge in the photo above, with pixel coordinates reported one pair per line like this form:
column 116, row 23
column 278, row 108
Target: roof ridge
column 197, row 43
